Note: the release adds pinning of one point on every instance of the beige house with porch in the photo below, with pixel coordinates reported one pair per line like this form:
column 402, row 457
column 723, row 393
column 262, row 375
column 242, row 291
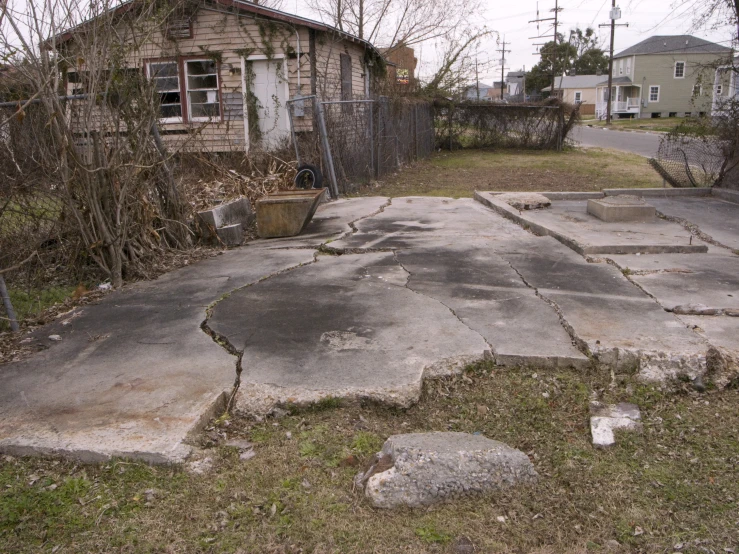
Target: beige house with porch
column 662, row 76
column 577, row 89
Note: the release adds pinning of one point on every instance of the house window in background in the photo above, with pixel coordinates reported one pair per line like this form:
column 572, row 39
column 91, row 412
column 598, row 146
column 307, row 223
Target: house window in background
column 166, row 77
column 654, row 94
column 679, row 70
column 202, row 90
column 719, row 90
column 578, row 97
column 697, row 90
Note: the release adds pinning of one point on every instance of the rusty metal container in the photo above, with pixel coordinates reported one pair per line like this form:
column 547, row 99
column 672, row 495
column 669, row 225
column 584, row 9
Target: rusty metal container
column 286, row 213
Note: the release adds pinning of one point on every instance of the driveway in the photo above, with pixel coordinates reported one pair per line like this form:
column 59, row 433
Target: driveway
column 375, row 297
column 643, row 144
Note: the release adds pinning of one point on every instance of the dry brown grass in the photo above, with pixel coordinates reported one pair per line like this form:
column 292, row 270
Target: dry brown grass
column 460, row 173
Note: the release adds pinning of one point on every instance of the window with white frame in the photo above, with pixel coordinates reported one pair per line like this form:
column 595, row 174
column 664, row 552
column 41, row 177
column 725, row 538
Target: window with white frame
column 621, row 67
column 679, row 70
column 628, row 67
column 166, row 78
column 578, row 96
column 654, row 94
column 697, row 90
column 719, row 90
column 202, row 90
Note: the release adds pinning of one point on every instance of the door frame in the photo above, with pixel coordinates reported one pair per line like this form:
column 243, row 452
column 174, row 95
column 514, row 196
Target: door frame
column 255, row 58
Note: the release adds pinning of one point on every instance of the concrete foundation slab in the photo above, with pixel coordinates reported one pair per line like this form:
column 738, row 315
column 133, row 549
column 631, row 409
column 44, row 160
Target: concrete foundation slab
column 569, row 222
column 714, row 218
column 346, row 327
column 621, row 208
column 134, row 375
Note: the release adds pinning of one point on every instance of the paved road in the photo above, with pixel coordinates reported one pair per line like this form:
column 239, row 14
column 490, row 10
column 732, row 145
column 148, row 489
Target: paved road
column 644, row 144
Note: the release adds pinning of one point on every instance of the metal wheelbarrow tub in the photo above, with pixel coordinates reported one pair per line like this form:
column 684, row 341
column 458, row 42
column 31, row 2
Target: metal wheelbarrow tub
column 286, row 213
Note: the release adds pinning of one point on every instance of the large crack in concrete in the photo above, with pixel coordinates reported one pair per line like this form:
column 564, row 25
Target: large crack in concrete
column 407, row 285
column 695, row 231
column 578, row 342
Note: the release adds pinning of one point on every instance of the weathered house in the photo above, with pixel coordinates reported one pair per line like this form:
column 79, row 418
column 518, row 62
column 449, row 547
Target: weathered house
column 224, row 70
column 662, row 76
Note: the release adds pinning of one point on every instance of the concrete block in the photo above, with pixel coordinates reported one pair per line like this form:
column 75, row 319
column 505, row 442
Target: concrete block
column 231, row 235
column 607, row 418
column 621, row 208
column 231, row 213
column 572, row 195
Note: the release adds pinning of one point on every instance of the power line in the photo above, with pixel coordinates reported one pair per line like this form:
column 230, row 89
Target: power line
column 614, row 15
column 503, row 51
column 555, row 19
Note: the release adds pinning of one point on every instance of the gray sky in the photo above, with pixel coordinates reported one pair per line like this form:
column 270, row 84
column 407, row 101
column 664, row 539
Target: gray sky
column 511, row 17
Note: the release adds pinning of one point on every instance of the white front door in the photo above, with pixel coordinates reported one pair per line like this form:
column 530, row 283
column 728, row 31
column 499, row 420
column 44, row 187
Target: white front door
column 267, row 81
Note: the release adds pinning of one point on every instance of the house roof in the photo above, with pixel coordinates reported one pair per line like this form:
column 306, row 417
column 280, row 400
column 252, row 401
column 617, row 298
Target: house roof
column 575, row 81
column 673, row 44
column 615, row 81
column 244, row 7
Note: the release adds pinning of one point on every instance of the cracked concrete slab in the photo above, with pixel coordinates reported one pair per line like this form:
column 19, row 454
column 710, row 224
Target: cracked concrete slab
column 489, row 296
column 413, row 221
column 345, row 326
column 569, row 222
column 133, row 375
column 723, row 333
column 716, row 218
column 678, row 280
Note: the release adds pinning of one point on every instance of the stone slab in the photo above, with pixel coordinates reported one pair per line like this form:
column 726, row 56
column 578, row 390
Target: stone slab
column 621, row 208
column 722, row 333
column 134, row 375
column 345, row 326
column 678, row 280
column 569, row 223
column 717, row 218
column 236, row 212
column 231, row 235
column 606, row 418
column 487, row 294
column 428, row 468
column 413, row 221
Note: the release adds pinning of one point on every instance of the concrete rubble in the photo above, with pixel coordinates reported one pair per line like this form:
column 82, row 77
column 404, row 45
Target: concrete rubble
column 420, row 469
column 606, row 418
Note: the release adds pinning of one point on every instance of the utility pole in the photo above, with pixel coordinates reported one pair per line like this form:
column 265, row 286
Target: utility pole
column 614, row 15
column 502, row 67
column 555, row 19
column 477, row 80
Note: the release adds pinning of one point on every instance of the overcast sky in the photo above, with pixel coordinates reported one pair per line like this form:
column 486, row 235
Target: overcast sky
column 511, row 18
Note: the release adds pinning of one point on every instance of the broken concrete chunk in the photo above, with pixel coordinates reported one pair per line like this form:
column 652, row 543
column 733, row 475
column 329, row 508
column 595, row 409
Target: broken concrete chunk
column 525, row 200
column 228, row 221
column 607, row 417
column 420, row 469
column 696, row 309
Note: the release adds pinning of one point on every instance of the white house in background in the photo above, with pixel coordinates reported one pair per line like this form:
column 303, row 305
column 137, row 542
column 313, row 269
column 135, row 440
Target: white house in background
column 725, row 87
column 577, row 89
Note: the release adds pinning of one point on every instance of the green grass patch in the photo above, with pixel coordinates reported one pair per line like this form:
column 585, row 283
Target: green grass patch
column 28, row 303
column 675, row 482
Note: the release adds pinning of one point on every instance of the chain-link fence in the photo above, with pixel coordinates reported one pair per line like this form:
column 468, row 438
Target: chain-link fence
column 689, row 161
column 356, row 141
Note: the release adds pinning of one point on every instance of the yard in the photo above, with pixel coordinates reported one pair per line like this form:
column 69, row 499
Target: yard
column 671, row 488
column 460, row 173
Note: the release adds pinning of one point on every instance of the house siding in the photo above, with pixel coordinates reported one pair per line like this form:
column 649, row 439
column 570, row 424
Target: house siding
column 675, row 94
column 226, row 37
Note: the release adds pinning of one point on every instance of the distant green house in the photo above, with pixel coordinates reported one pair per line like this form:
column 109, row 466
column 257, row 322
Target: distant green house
column 663, row 76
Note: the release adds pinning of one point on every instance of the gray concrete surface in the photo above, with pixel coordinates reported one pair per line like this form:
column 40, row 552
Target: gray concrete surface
column 569, row 222
column 643, row 144
column 714, row 219
column 428, row 468
column 419, row 287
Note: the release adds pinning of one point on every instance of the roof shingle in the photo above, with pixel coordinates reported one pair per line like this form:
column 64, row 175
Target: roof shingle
column 669, row 44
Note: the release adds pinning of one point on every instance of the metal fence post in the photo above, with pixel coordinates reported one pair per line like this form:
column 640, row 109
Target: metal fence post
column 327, row 150
column 8, row 306
column 372, row 140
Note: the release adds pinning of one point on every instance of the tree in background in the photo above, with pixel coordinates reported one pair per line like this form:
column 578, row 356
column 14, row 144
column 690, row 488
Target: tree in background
column 580, row 55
